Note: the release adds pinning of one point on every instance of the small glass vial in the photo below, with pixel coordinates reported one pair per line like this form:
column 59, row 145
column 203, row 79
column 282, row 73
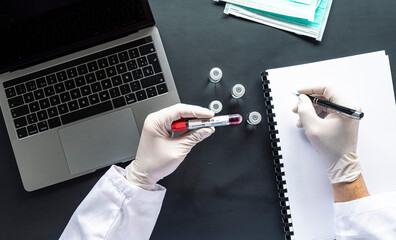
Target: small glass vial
column 215, row 75
column 238, row 91
column 216, row 106
column 253, row 118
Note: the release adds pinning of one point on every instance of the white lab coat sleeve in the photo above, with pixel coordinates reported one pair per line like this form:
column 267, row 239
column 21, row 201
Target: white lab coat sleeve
column 115, row 209
column 372, row 217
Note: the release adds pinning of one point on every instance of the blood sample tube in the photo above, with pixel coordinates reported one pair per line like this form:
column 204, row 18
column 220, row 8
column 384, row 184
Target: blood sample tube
column 215, row 75
column 189, row 124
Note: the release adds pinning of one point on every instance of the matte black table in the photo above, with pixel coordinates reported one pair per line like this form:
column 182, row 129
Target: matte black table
column 225, row 189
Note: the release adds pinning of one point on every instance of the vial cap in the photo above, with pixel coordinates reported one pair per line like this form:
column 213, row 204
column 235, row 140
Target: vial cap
column 238, row 91
column 216, row 106
column 254, row 118
column 215, row 75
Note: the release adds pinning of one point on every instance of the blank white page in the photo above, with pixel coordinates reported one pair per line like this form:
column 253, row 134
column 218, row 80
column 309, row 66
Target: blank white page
column 367, row 80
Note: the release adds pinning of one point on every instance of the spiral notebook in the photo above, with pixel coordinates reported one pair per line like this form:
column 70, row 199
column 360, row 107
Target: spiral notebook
column 305, row 193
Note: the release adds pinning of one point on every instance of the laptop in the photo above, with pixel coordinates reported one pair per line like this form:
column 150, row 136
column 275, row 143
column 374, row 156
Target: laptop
column 77, row 80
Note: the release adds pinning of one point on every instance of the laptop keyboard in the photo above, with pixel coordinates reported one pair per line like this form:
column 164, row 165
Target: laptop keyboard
column 85, row 87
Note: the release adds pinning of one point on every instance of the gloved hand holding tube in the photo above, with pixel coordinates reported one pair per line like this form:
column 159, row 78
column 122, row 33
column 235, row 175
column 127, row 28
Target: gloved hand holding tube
column 333, row 135
column 158, row 154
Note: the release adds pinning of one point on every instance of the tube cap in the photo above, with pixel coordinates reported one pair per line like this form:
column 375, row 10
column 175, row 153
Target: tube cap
column 215, row 75
column 179, row 125
column 254, row 118
column 238, row 91
column 216, row 106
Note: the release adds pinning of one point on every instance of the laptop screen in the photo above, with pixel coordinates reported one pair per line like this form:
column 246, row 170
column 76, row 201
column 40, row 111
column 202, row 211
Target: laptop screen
column 38, row 30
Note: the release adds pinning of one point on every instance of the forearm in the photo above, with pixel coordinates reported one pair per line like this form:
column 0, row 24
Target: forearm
column 348, row 191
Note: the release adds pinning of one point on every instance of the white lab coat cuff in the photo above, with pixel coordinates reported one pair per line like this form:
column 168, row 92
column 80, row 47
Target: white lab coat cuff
column 365, row 204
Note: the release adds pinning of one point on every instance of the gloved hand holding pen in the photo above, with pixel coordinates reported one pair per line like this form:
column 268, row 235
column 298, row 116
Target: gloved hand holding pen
column 158, row 154
column 333, row 135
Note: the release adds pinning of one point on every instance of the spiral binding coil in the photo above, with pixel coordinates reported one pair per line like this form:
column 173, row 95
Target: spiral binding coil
column 277, row 157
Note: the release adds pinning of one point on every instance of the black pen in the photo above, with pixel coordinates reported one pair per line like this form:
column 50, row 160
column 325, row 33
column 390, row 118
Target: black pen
column 343, row 110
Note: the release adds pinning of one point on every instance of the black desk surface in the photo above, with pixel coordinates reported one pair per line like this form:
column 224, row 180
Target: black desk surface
column 225, row 189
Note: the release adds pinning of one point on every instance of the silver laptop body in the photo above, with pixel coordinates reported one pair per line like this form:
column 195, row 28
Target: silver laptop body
column 79, row 147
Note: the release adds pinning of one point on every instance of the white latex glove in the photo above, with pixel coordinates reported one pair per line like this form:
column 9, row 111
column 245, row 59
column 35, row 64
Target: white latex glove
column 333, row 135
column 158, row 154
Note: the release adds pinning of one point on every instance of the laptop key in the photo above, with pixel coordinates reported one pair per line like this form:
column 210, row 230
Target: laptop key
column 54, row 122
column 127, row 77
column 69, row 84
column 113, row 59
column 93, row 99
column 92, row 66
column 111, row 71
column 146, row 49
column 20, row 89
column 39, row 94
column 49, row 91
column 19, row 111
column 65, row 97
column 44, row 103
column 135, row 86
column 51, row 79
column 31, row 86
column 15, row 102
column 82, row 69
column 132, row 65
column 83, row 102
column 153, row 60
column 41, row 82
column 96, row 87
column 71, row 73
column 119, row 102
column 123, row 56
column 153, row 80
column 114, row 92
column 61, row 76
column 106, row 84
column 62, row 109
column 55, row 100
column 52, row 112
column 10, row 92
column 86, row 90
column 125, row 89
column 100, row 75
column 137, row 74
column 142, row 61
column 28, row 97
column 22, row 132
column 73, row 105
column 42, row 115
column 90, row 78
column 75, row 93
column 148, row 71
column 42, row 126
column 34, row 107
column 121, row 68
column 141, row 95
column 133, row 53
column 31, row 118
column 161, row 89
column 116, row 81
column 60, row 87
column 20, row 122
column 32, row 129
column 104, row 95
column 86, row 112
column 151, row 92
column 80, row 81
column 103, row 63
column 130, row 98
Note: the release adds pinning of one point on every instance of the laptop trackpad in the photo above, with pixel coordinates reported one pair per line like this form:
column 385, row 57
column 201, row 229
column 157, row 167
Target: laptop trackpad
column 100, row 141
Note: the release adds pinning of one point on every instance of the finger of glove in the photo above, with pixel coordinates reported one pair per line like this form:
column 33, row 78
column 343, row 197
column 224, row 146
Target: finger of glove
column 321, row 90
column 193, row 137
column 307, row 113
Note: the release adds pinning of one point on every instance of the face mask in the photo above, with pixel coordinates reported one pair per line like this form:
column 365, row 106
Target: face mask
column 301, row 26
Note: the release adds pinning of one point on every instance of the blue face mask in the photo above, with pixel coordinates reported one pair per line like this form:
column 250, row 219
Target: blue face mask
column 314, row 28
